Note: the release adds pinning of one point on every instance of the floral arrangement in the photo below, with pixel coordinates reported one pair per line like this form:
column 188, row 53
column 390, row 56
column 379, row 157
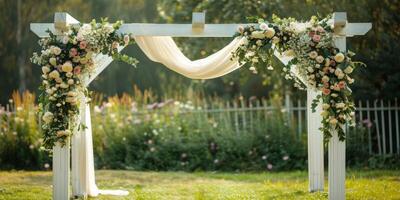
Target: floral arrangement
column 65, row 60
column 316, row 63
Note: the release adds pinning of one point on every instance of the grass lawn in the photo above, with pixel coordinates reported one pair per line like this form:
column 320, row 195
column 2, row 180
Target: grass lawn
column 21, row 185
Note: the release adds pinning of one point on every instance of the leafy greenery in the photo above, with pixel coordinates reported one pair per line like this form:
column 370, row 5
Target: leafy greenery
column 363, row 184
column 67, row 60
column 132, row 132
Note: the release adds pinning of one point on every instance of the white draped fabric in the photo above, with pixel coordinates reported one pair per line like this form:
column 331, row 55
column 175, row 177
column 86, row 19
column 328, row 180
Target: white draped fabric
column 164, row 50
column 160, row 49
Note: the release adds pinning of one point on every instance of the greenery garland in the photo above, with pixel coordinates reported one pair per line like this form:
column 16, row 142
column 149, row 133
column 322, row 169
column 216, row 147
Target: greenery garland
column 316, row 63
column 66, row 59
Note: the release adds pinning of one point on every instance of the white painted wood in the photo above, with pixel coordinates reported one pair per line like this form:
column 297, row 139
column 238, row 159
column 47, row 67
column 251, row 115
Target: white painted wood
column 315, row 145
column 337, row 148
column 61, row 163
column 198, row 21
column 336, row 168
column 62, row 20
column 383, row 127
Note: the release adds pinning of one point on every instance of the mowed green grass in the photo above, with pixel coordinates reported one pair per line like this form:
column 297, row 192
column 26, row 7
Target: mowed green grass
column 21, row 185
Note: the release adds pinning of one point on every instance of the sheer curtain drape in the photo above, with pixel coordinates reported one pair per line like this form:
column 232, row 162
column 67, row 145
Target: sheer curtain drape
column 164, row 50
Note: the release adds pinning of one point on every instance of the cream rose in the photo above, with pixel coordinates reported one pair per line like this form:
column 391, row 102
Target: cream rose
column 67, row 67
column 325, row 106
column 55, row 50
column 319, row 59
column 313, row 54
column 54, row 74
column 53, row 61
column 70, row 81
column 275, row 40
column 348, row 70
column 257, row 35
column 48, row 117
column 45, row 69
column 324, row 113
column 340, row 105
column 263, row 26
column 325, row 79
column 269, row 32
column 333, row 121
column 339, row 57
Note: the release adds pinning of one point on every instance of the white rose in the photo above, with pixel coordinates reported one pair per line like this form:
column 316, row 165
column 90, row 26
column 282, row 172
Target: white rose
column 269, row 32
column 65, row 40
column 53, row 61
column 324, row 113
column 348, row 70
column 48, row 117
column 254, row 60
column 310, row 69
column 64, row 85
column 313, row 54
column 275, row 40
column 325, row 79
column 325, row 106
column 257, row 34
column 72, row 93
column 333, row 121
column 340, row 105
column 319, row 59
column 126, row 39
column 327, row 62
column 289, row 53
column 71, row 100
column 339, row 57
column 263, row 26
column 54, row 74
column 67, row 67
column 55, row 50
column 83, row 60
column 259, row 42
column 49, row 91
column 70, row 81
column 245, row 41
column 58, row 79
column 339, row 73
column 45, row 69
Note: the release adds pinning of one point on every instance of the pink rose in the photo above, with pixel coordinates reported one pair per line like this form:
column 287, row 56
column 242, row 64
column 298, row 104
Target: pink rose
column 341, row 84
column 82, row 44
column 114, row 45
column 326, row 91
column 316, row 38
column 73, row 52
column 333, row 63
column 77, row 70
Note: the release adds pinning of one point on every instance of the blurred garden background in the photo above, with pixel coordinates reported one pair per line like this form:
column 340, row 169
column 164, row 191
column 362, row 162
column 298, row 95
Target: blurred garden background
column 150, row 118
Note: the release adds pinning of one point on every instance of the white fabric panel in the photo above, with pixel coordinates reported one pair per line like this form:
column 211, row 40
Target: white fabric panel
column 163, row 49
column 83, row 176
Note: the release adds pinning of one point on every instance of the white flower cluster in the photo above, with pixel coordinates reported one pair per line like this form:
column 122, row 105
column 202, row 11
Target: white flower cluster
column 316, row 61
column 64, row 63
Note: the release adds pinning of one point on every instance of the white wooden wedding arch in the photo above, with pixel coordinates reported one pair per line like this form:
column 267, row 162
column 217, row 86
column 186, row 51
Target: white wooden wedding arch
column 81, row 184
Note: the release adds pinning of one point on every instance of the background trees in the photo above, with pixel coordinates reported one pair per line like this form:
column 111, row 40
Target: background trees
column 378, row 49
